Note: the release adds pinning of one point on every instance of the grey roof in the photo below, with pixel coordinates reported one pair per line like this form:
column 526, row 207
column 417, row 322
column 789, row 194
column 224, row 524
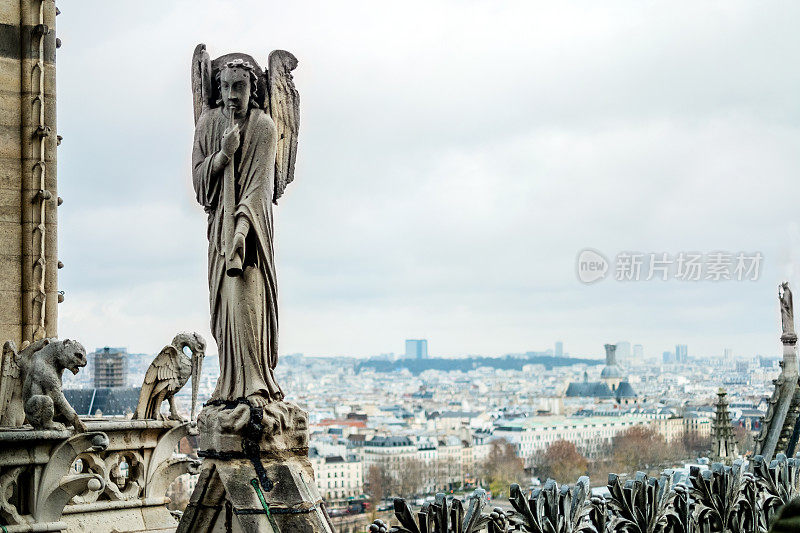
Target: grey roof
column 389, row 442
column 459, row 414
column 356, row 440
column 110, row 401
column 588, row 389
column 624, row 390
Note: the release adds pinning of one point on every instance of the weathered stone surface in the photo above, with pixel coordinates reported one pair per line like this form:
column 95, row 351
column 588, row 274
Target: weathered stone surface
column 28, row 84
column 229, row 491
column 285, row 428
column 12, row 277
column 256, row 476
column 50, row 489
column 168, row 373
column 36, row 371
column 242, row 159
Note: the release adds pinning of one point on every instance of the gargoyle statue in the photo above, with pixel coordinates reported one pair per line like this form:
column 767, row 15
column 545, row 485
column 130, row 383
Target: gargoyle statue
column 168, row 373
column 39, row 367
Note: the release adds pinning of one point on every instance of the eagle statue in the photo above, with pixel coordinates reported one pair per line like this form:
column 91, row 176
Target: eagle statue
column 168, row 373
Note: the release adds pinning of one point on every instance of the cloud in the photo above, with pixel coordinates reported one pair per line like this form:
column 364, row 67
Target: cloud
column 453, row 160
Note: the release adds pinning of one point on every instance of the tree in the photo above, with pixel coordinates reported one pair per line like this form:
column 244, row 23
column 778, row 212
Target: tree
column 446, row 472
column 695, row 444
column 379, row 483
column 413, row 476
column 501, row 467
column 562, row 462
column 641, row 448
column 745, row 439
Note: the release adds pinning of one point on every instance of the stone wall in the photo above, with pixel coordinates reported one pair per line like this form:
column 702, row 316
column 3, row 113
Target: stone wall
column 28, row 285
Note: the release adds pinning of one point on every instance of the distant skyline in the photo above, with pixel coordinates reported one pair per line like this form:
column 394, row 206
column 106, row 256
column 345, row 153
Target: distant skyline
column 453, row 161
column 622, row 358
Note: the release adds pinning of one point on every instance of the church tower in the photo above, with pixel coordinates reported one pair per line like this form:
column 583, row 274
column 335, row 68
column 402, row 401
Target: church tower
column 724, row 444
column 612, row 374
column 28, row 196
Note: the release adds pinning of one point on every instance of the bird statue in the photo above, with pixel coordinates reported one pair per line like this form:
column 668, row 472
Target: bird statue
column 168, row 373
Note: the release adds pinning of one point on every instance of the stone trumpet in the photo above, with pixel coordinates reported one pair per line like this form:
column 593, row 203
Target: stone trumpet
column 233, row 261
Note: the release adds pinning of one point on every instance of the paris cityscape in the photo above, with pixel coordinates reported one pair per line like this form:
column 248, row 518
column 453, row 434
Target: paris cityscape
column 430, row 267
column 393, row 413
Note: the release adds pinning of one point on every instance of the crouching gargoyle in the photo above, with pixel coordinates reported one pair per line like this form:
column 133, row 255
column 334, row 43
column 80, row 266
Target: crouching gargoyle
column 30, row 384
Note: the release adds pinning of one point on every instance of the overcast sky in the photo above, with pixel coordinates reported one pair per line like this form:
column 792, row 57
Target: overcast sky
column 454, row 158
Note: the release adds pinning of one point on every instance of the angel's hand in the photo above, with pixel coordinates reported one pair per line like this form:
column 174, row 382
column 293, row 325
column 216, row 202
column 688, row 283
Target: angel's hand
column 230, row 141
column 238, row 245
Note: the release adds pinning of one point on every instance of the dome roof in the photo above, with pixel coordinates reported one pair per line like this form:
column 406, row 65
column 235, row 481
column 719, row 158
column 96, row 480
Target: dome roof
column 612, row 371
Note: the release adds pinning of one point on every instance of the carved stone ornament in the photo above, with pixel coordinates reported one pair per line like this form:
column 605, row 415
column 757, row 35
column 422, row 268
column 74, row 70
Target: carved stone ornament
column 168, row 373
column 245, row 146
column 30, row 383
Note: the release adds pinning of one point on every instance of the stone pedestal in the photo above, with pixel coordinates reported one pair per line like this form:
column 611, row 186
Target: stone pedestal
column 256, row 476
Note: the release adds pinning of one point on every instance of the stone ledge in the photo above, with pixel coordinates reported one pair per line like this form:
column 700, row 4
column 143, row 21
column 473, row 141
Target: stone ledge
column 27, row 433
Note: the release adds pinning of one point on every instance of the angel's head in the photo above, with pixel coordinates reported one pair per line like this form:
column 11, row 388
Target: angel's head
column 238, row 86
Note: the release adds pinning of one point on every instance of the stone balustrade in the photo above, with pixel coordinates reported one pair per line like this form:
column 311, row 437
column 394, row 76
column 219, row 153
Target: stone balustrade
column 111, row 478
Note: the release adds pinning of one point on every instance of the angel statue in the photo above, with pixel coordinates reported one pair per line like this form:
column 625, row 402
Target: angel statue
column 787, row 311
column 245, row 145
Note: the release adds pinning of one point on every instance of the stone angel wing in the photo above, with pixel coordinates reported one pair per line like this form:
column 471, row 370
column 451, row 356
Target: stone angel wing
column 282, row 102
column 284, row 108
column 163, row 373
column 201, row 81
column 10, row 386
column 13, row 367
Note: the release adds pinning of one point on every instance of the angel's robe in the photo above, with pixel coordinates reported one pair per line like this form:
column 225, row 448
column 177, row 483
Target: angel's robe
column 244, row 309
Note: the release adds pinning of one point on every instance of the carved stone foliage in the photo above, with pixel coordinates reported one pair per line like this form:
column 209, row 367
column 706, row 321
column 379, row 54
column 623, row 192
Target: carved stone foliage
column 9, row 495
column 447, row 516
column 58, row 484
column 719, row 499
column 646, row 504
column 122, row 471
column 778, row 483
column 725, row 499
column 551, row 509
column 49, row 478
